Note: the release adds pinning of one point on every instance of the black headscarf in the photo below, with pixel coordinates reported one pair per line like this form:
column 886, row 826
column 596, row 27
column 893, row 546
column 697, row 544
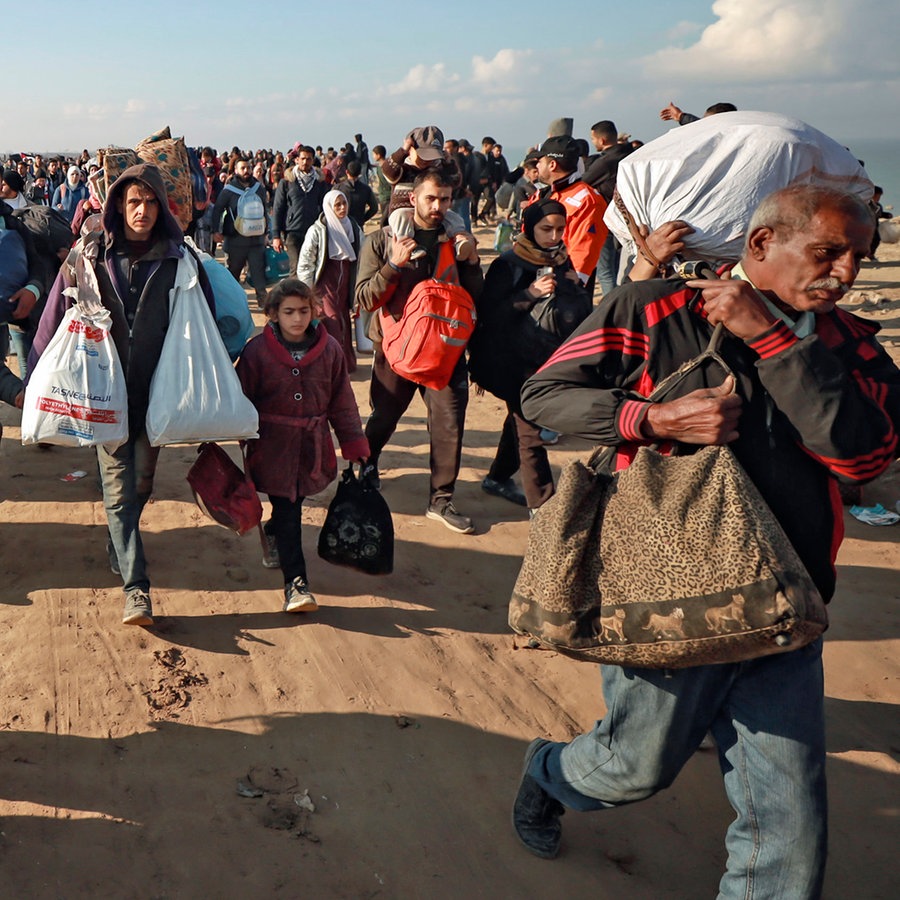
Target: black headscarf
column 540, row 210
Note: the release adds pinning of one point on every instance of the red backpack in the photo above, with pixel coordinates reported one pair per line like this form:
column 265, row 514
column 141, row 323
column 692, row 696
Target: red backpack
column 426, row 342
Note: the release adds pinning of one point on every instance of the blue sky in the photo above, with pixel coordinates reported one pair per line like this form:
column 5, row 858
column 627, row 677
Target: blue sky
column 321, row 72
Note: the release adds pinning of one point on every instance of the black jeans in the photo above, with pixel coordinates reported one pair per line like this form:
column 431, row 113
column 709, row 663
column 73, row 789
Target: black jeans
column 521, row 450
column 285, row 526
column 248, row 250
column 390, row 394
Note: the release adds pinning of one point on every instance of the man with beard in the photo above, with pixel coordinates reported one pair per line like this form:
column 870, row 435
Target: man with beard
column 387, row 275
column 136, row 258
column 297, row 204
column 240, row 248
column 56, row 175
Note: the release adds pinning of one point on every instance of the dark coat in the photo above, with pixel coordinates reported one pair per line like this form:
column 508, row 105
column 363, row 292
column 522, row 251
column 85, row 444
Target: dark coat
column 297, row 400
column 360, row 200
column 139, row 341
column 294, row 209
column 225, row 210
column 602, row 169
column 509, row 343
column 815, row 410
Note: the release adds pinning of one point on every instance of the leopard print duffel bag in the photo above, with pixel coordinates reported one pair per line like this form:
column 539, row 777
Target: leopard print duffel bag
column 675, row 561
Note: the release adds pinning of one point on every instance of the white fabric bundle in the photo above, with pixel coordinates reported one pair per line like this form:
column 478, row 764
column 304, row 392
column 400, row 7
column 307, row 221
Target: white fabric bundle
column 713, row 173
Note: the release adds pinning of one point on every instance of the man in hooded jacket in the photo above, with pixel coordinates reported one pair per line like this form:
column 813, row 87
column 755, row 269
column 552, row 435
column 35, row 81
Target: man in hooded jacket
column 135, row 257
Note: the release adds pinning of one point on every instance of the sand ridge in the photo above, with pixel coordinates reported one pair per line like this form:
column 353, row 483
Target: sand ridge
column 174, row 762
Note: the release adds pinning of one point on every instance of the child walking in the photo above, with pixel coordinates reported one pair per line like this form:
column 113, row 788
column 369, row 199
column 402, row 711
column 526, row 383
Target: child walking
column 294, row 373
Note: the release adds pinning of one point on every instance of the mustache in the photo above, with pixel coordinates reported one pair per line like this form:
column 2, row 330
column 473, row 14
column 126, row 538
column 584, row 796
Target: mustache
column 828, row 284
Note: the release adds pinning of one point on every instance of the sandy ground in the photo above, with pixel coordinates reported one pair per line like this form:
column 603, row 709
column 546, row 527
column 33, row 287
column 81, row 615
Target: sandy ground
column 402, row 707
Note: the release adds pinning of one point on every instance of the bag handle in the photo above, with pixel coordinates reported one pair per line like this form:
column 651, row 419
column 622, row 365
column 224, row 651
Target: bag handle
column 639, row 239
column 603, row 455
column 710, row 354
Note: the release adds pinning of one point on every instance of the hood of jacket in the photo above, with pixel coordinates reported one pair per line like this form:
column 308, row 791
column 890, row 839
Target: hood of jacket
column 150, row 176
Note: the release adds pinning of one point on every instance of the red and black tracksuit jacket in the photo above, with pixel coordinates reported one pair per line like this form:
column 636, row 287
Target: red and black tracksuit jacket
column 815, row 411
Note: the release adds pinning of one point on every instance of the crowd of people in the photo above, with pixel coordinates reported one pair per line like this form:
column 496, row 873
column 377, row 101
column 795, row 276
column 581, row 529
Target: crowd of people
column 814, row 400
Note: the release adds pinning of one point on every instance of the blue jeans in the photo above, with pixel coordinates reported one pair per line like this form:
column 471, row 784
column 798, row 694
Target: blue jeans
column 463, row 209
column 767, row 718
column 608, row 264
column 127, row 480
column 20, row 342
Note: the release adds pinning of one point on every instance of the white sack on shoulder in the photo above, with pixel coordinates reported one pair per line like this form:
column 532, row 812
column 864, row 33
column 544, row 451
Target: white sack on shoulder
column 713, row 173
column 195, row 394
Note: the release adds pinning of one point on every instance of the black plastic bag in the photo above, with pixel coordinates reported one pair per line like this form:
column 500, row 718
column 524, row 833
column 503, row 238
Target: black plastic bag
column 358, row 530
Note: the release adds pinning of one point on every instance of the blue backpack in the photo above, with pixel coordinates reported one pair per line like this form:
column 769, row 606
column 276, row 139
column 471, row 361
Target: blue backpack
column 232, row 313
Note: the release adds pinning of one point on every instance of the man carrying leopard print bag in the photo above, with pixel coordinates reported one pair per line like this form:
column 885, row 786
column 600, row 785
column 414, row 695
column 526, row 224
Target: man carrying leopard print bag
column 812, row 398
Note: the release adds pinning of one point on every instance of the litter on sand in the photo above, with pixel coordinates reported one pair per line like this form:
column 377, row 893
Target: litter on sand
column 874, row 515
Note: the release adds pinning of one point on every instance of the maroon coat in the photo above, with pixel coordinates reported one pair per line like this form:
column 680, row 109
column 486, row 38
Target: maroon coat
column 297, row 399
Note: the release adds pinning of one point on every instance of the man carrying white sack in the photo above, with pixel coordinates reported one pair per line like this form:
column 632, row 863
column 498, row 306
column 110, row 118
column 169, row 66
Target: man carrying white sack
column 135, row 258
column 815, row 400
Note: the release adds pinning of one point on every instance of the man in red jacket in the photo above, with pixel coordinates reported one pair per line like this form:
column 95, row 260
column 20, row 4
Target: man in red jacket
column 557, row 164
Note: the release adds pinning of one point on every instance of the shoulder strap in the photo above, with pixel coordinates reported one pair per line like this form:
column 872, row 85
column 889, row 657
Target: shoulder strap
column 445, row 270
column 709, row 355
column 234, row 190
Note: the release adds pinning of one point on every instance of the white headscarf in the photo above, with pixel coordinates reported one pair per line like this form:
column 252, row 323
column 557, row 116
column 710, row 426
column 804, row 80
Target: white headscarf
column 340, row 231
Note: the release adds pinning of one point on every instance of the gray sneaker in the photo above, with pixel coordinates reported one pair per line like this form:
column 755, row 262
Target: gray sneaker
column 270, row 558
column 297, row 597
column 444, row 511
column 138, row 608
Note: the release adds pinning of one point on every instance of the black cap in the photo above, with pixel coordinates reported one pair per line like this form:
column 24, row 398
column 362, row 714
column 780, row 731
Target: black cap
column 562, row 148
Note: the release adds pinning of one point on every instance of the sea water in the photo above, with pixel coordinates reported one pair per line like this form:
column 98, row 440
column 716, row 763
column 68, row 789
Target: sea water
column 881, row 158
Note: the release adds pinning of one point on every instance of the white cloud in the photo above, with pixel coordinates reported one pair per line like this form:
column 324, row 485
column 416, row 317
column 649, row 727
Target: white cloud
column 422, row 78
column 682, row 29
column 501, row 72
column 784, row 40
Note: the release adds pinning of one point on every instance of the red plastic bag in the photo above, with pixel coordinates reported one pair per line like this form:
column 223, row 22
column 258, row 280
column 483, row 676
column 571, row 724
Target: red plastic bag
column 223, row 491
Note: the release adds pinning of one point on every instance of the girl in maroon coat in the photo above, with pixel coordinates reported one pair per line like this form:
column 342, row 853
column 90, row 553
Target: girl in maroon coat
column 294, row 373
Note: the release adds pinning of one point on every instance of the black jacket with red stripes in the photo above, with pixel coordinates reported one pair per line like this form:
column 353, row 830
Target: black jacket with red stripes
column 815, row 410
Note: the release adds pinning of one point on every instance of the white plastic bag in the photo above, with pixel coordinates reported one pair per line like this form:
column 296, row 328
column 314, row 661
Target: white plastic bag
column 76, row 396
column 889, row 230
column 195, row 394
column 713, row 173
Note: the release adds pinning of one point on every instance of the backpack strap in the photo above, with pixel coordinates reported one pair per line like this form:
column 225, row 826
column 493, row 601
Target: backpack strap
column 445, row 270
